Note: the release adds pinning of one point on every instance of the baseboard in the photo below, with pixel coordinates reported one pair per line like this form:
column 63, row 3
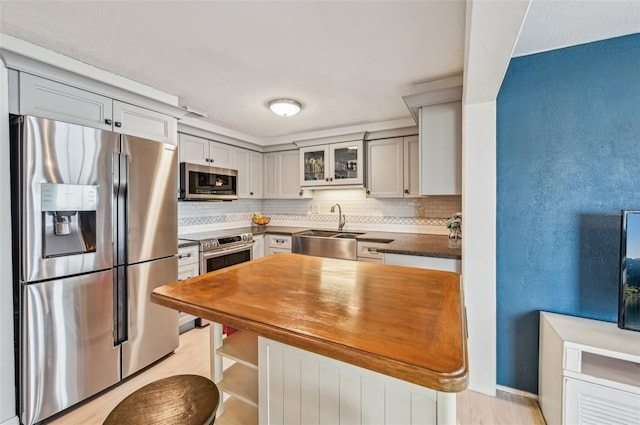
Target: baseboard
column 11, row 421
column 517, row 392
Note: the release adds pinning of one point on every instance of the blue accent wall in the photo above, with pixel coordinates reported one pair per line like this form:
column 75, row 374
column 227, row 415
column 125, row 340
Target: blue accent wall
column 568, row 160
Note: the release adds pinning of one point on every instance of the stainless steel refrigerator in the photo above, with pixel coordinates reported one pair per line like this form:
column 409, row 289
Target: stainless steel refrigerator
column 95, row 225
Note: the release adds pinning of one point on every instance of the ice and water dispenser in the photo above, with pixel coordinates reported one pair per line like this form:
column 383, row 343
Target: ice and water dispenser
column 68, row 218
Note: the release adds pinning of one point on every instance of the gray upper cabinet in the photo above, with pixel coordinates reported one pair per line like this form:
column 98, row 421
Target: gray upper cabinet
column 249, row 166
column 142, row 122
column 198, row 150
column 393, row 167
column 282, row 175
column 411, row 145
column 49, row 99
column 335, row 164
column 441, row 149
column 385, row 169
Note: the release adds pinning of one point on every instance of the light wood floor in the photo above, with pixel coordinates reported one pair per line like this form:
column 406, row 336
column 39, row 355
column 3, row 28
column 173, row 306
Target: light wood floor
column 192, row 357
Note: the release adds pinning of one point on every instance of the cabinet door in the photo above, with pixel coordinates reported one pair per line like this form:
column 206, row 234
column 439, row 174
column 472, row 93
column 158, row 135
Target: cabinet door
column 188, row 271
column 193, row 149
column 441, row 149
column 420, row 262
column 346, row 163
column 249, row 166
column 221, row 155
column 244, row 173
column 141, row 122
column 47, row 99
column 288, row 172
column 411, row 167
column 598, row 405
column 255, row 175
column 385, row 171
column 258, row 246
column 270, row 176
column 314, row 166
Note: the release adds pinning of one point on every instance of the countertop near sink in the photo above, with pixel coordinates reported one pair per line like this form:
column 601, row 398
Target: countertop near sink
column 414, row 244
column 403, row 243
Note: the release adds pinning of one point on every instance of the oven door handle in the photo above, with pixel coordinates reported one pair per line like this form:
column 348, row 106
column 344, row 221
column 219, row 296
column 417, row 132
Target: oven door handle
column 225, row 251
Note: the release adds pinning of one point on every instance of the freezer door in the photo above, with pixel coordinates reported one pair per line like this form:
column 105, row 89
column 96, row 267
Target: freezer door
column 65, row 184
column 153, row 329
column 151, row 199
column 68, row 352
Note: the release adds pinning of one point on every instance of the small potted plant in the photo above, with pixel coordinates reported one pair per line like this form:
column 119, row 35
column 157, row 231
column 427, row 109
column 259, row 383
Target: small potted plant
column 454, row 224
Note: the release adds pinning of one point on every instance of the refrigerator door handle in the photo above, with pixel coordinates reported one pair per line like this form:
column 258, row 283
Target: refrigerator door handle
column 120, row 306
column 120, row 189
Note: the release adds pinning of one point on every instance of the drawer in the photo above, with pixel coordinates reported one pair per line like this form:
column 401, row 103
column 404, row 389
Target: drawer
column 188, row 255
column 279, row 241
column 370, row 250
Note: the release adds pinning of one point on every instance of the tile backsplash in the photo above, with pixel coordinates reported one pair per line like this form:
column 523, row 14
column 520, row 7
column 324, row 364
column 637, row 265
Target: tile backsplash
column 412, row 215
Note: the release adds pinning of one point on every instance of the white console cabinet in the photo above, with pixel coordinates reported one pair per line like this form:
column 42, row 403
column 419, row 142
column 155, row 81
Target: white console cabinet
column 589, row 371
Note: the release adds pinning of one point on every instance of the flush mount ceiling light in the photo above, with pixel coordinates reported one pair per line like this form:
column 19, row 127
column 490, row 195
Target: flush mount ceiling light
column 284, row 107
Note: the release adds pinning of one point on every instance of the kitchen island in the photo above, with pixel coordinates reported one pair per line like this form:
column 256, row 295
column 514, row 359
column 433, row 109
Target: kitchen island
column 403, row 323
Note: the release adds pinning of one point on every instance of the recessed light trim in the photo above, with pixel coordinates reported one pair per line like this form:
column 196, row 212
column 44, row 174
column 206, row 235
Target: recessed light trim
column 284, row 107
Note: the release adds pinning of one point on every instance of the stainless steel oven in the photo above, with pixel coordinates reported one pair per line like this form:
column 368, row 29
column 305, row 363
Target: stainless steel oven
column 221, row 249
column 220, row 258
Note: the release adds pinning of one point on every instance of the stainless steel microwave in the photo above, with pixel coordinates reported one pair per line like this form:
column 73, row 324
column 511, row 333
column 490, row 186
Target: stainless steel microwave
column 205, row 183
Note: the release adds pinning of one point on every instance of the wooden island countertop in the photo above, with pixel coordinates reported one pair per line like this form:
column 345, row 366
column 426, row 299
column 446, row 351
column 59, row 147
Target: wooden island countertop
column 404, row 322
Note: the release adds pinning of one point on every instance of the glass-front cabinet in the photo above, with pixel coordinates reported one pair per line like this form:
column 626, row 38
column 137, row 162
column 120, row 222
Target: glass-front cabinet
column 336, row 164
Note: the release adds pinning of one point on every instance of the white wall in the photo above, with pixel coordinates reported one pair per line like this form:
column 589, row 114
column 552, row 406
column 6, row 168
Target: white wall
column 492, row 29
column 479, row 247
column 7, row 382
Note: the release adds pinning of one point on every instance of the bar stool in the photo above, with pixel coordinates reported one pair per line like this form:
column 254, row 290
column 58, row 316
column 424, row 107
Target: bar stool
column 176, row 400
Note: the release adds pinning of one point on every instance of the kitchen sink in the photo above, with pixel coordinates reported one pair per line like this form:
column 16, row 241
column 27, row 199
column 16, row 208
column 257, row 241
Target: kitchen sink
column 320, row 233
column 347, row 235
column 326, row 243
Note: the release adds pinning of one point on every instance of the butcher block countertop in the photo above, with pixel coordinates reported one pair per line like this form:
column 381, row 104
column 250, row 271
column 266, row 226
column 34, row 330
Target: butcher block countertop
column 404, row 322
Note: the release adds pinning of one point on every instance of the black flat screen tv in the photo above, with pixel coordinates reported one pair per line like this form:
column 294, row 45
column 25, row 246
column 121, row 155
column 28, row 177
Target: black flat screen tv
column 629, row 289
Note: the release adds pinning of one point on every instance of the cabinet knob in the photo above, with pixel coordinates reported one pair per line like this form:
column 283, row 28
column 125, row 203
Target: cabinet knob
column 251, row 193
column 118, row 124
column 406, row 191
column 107, row 121
column 368, row 192
column 300, row 193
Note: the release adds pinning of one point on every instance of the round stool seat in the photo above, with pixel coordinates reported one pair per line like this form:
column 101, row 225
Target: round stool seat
column 180, row 399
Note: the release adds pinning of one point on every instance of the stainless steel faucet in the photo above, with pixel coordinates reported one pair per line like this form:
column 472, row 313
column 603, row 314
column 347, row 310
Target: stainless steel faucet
column 341, row 218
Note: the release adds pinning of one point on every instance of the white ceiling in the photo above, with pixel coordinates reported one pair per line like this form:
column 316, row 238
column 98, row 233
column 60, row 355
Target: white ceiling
column 554, row 24
column 348, row 62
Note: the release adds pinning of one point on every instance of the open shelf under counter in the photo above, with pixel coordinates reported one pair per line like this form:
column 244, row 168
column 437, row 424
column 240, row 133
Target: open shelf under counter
column 237, row 412
column 241, row 381
column 242, row 347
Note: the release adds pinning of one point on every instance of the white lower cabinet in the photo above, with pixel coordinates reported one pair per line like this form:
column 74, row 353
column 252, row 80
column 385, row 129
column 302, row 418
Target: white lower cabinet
column 368, row 252
column 258, row 246
column 271, row 383
column 188, row 267
column 277, row 244
column 300, row 387
column 433, row 263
